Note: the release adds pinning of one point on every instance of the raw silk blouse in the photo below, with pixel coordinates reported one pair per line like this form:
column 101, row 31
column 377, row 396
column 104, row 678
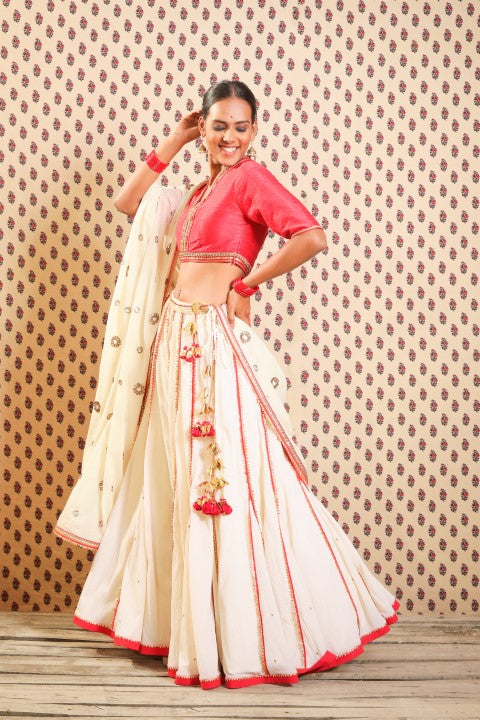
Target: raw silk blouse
column 231, row 224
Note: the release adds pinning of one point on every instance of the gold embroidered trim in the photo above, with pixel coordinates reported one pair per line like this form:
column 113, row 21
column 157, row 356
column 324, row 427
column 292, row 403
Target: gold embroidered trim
column 187, row 256
column 187, row 225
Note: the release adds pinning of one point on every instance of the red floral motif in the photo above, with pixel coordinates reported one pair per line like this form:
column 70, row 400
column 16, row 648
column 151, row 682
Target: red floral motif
column 190, row 353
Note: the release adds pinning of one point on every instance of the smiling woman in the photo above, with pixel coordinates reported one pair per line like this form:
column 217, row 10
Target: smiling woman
column 228, row 131
column 212, row 218
column 212, row 549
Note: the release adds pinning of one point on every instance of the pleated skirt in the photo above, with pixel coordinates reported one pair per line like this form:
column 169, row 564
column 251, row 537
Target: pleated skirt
column 217, row 555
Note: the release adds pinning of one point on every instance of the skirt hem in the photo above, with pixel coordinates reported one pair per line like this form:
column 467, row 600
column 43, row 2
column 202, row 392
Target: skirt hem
column 121, row 641
column 328, row 661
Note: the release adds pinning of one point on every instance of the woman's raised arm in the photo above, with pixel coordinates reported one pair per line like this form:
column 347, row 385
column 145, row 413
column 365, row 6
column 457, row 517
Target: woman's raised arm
column 129, row 197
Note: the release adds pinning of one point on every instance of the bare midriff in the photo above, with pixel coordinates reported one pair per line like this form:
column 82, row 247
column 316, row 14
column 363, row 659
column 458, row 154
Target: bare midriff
column 206, row 282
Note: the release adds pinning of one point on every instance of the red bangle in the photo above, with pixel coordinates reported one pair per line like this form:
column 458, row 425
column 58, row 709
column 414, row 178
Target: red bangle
column 239, row 286
column 154, row 163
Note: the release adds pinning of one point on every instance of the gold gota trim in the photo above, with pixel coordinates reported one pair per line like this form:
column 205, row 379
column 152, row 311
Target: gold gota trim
column 170, row 282
column 178, row 368
column 177, row 364
column 215, row 548
column 234, row 258
column 187, row 225
column 193, row 366
column 76, row 539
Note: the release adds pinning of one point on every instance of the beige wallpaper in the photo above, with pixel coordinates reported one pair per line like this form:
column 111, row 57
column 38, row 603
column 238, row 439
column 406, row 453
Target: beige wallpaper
column 369, row 113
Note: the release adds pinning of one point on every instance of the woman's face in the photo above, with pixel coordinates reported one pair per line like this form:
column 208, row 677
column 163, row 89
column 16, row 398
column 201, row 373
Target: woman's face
column 227, row 131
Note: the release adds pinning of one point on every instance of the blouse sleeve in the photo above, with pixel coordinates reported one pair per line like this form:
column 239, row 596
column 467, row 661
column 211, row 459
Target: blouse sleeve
column 264, row 200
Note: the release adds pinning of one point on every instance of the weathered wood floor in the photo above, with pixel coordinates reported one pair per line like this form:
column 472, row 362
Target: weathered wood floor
column 49, row 668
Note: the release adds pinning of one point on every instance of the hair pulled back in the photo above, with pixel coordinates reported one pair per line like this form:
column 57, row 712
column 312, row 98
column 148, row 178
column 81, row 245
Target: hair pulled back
column 226, row 89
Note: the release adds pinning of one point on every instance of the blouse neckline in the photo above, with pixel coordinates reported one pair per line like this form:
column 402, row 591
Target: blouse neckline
column 225, row 169
column 197, row 203
column 207, row 191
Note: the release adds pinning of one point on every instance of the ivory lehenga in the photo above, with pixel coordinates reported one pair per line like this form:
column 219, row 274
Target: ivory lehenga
column 211, row 548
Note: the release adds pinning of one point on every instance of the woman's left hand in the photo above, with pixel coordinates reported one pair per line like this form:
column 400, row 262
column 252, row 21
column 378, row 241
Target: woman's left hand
column 237, row 306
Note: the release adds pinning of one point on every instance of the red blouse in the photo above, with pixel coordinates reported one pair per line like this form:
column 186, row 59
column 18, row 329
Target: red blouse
column 231, row 224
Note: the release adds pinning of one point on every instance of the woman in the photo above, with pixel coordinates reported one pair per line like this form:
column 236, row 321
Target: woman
column 212, row 550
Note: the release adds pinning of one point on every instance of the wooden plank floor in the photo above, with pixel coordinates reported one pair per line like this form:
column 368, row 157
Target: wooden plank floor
column 49, row 668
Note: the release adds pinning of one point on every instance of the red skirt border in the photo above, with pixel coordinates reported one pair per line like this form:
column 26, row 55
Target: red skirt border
column 326, row 662
column 121, row 641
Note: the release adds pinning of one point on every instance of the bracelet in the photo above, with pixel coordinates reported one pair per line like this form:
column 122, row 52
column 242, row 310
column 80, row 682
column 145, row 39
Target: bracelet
column 239, row 286
column 154, row 163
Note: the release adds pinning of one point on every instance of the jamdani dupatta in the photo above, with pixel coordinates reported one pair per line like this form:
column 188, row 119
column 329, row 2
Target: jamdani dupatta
column 146, row 276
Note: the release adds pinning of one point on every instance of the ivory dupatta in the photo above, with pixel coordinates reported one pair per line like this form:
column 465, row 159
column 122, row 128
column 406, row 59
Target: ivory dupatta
column 147, row 273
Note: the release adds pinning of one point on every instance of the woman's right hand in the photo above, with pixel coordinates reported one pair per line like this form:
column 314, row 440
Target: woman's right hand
column 187, row 129
column 129, row 197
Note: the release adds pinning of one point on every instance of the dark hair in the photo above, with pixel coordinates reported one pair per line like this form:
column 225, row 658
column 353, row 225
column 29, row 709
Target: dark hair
column 226, row 89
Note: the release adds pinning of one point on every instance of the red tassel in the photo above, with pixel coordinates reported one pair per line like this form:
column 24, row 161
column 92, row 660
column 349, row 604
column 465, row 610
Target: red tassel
column 203, row 429
column 211, row 507
column 198, row 504
column 208, row 506
column 225, row 508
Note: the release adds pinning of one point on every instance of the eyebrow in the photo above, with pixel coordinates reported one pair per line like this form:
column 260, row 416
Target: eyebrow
column 238, row 122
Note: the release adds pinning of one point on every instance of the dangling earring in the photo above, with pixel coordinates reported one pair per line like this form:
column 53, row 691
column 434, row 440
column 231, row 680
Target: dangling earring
column 201, row 148
column 251, row 152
